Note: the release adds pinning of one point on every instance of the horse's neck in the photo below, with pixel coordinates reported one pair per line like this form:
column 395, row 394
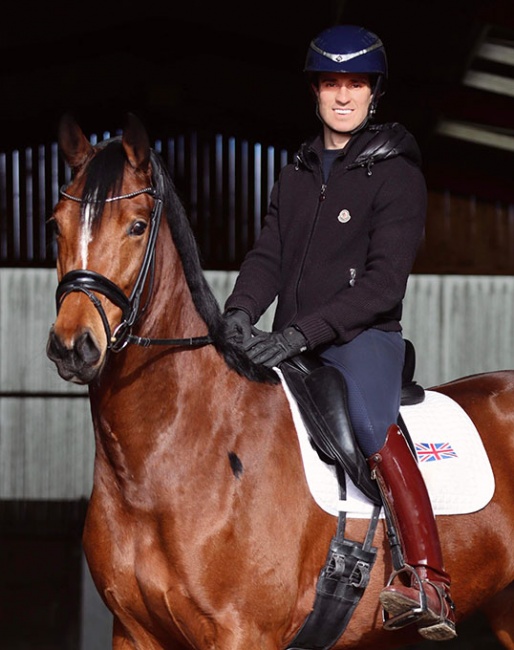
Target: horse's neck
column 145, row 413
column 142, row 392
column 171, row 312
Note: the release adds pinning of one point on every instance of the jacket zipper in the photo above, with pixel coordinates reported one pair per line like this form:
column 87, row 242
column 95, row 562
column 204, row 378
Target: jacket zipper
column 321, row 198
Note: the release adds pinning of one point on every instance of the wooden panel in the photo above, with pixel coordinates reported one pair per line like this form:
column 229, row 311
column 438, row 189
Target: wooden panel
column 464, row 236
column 46, row 448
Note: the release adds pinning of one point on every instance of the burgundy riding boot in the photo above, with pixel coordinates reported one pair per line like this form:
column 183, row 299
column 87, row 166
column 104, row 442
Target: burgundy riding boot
column 425, row 600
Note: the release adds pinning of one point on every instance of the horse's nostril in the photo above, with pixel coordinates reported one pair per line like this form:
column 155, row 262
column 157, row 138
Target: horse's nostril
column 86, row 349
column 55, row 348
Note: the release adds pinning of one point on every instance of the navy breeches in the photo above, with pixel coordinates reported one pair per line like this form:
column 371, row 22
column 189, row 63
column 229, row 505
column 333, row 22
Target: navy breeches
column 371, row 365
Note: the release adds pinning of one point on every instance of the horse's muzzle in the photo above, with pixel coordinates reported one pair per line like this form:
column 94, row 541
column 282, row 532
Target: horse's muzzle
column 79, row 362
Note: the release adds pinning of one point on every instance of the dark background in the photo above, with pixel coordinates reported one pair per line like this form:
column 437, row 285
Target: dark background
column 238, row 69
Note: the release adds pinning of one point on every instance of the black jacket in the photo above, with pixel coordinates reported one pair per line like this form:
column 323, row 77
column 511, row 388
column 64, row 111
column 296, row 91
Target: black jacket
column 338, row 255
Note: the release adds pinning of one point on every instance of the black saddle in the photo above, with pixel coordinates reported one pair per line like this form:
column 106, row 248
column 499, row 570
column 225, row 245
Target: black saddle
column 320, row 392
column 412, row 392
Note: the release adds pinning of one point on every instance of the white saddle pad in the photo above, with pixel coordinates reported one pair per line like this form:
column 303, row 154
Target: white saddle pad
column 450, row 452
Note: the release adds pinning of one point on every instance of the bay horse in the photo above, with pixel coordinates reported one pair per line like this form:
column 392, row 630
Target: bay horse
column 201, row 532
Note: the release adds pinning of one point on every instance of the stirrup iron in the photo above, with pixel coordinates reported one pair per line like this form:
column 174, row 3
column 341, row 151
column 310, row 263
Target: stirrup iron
column 414, row 614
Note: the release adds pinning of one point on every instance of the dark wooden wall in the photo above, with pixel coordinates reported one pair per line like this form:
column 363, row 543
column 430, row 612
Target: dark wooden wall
column 467, row 236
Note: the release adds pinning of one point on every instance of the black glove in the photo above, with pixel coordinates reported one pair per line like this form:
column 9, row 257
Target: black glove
column 270, row 348
column 238, row 327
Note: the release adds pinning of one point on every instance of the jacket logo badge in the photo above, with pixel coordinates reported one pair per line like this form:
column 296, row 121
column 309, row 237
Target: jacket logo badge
column 344, row 216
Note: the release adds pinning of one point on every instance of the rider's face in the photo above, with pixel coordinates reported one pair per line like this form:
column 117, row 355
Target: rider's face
column 343, row 102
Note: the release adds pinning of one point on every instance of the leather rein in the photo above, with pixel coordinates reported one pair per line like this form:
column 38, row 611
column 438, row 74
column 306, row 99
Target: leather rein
column 87, row 282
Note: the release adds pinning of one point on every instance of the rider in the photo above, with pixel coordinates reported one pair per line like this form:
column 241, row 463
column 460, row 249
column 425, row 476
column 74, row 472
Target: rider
column 337, row 246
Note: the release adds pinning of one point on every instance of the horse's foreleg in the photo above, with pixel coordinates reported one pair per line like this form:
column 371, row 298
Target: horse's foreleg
column 127, row 633
column 135, row 639
column 500, row 614
column 120, row 639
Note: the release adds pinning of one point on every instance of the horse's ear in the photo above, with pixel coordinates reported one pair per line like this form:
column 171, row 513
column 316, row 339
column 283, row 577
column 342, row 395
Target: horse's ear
column 136, row 143
column 73, row 144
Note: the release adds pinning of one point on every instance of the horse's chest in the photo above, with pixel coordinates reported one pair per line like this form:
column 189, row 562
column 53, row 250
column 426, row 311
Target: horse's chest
column 137, row 580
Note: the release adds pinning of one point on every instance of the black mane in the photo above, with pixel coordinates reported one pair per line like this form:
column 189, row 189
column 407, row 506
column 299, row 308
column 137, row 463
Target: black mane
column 105, row 175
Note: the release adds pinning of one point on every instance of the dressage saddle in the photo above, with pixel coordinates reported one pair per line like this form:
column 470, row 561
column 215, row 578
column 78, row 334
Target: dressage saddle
column 321, row 394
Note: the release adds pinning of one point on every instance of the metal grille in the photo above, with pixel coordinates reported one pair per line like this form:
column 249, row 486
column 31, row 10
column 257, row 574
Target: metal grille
column 223, row 182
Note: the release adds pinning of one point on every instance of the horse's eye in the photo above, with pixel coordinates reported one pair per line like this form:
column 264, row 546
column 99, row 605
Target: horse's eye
column 138, row 228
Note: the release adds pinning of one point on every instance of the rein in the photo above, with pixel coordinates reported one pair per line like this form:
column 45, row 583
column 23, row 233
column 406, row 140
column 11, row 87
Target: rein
column 87, row 281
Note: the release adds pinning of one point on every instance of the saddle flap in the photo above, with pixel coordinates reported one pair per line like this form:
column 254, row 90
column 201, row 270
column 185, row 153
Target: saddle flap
column 321, row 399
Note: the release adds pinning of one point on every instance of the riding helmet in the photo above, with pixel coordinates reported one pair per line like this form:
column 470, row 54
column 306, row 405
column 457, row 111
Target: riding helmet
column 349, row 48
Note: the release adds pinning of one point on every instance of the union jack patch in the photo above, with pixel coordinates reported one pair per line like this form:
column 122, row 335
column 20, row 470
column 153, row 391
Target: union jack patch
column 429, row 451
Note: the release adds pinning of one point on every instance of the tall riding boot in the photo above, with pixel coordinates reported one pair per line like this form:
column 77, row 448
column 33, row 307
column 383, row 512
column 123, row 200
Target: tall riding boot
column 425, row 600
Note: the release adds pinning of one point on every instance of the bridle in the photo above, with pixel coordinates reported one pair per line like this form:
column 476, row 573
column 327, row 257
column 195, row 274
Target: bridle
column 87, row 282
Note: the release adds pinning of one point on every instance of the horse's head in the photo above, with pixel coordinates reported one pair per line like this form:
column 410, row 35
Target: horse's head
column 106, row 222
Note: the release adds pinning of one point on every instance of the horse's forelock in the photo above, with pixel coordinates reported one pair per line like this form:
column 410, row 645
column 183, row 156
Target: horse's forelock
column 103, row 176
